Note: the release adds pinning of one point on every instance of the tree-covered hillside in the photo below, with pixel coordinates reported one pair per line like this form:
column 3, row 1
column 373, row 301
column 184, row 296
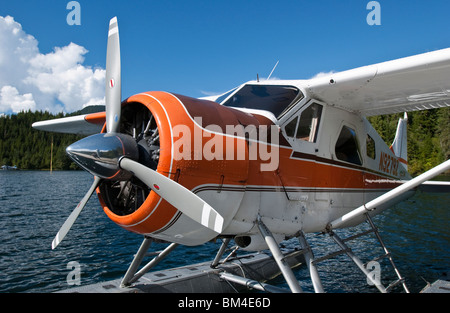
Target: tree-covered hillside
column 27, row 148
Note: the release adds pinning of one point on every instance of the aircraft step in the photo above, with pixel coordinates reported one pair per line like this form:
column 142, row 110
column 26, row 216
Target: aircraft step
column 395, row 283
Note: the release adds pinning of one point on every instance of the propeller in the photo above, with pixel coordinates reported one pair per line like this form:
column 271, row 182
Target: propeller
column 73, row 216
column 113, row 100
column 114, row 156
column 113, row 81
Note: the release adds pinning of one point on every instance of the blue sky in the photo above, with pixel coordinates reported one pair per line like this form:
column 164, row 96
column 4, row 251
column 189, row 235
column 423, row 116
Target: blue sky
column 198, row 47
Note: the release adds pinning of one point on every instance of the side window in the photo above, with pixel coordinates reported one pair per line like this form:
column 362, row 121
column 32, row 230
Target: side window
column 290, row 128
column 307, row 126
column 347, row 146
column 370, row 147
column 309, row 123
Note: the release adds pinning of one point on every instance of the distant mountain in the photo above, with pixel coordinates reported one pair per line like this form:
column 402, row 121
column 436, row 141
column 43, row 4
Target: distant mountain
column 90, row 109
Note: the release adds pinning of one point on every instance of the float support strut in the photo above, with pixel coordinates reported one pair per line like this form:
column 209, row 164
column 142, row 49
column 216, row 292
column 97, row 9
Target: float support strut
column 279, row 258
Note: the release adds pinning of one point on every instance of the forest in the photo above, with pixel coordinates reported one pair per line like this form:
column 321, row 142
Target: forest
column 428, row 137
column 30, row 149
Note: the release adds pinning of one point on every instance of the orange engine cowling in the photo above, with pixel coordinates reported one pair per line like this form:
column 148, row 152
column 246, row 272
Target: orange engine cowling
column 186, row 140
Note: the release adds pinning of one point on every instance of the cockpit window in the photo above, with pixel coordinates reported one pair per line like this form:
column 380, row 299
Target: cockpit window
column 273, row 98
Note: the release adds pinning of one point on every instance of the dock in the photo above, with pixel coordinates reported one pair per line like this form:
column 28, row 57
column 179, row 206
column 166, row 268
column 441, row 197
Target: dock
column 245, row 272
column 441, row 285
column 237, row 274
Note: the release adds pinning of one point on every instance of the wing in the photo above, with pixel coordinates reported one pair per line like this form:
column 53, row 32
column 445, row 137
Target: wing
column 87, row 124
column 414, row 83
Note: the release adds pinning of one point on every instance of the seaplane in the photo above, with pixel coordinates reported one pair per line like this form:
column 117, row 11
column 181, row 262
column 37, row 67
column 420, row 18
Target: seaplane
column 267, row 161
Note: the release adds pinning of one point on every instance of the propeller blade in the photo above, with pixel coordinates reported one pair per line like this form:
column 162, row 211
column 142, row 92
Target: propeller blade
column 113, row 93
column 73, row 216
column 177, row 195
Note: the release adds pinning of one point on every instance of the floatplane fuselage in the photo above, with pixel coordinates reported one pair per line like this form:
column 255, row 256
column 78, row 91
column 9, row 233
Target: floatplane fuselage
column 319, row 163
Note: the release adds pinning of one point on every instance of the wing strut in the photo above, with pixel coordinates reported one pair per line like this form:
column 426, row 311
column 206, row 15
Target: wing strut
column 372, row 205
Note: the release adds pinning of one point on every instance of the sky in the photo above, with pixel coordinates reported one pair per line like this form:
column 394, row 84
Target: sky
column 198, row 47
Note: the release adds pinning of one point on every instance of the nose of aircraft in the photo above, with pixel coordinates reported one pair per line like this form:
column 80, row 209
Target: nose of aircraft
column 100, row 154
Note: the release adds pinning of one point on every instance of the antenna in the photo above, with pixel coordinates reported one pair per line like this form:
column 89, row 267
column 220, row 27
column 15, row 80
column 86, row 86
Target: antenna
column 273, row 70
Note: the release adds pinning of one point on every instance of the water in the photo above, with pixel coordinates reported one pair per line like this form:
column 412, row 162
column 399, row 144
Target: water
column 33, row 206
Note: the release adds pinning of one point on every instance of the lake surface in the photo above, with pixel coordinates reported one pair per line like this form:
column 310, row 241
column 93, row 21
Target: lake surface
column 34, row 205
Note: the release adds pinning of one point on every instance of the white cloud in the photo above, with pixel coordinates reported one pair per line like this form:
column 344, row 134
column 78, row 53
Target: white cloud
column 56, row 81
column 323, row 74
column 10, row 99
column 210, row 93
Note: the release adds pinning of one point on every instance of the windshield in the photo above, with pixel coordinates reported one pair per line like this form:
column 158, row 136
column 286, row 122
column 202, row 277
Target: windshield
column 273, row 98
column 225, row 95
